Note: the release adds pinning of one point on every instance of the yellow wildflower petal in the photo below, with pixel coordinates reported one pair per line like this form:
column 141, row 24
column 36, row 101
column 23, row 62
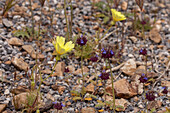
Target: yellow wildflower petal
column 100, row 110
column 59, row 49
column 117, row 16
column 60, row 40
column 69, row 46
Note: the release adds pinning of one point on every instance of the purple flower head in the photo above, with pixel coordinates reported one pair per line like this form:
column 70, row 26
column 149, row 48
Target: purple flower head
column 165, row 90
column 58, row 106
column 104, row 75
column 143, row 22
column 66, row 70
column 107, row 53
column 150, row 96
column 82, row 41
column 143, row 51
column 94, row 58
column 143, row 78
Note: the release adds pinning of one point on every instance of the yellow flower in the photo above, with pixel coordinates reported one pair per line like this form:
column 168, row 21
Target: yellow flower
column 117, row 16
column 61, row 49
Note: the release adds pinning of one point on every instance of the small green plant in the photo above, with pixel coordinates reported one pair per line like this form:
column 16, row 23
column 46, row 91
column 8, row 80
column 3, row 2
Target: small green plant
column 8, row 5
column 27, row 33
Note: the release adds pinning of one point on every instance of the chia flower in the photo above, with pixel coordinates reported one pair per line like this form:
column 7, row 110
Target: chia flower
column 104, row 75
column 107, row 53
column 150, row 96
column 143, row 78
column 94, row 58
column 143, row 22
column 82, row 41
column 117, row 16
column 61, row 49
column 58, row 106
column 66, row 70
column 143, row 51
column 165, row 90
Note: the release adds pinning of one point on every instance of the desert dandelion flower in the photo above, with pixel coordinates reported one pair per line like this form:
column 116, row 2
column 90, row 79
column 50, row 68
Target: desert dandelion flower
column 117, row 16
column 61, row 47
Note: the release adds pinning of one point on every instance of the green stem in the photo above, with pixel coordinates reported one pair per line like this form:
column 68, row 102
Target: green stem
column 53, row 69
column 40, row 24
column 82, row 69
column 65, row 13
column 146, row 65
column 112, row 86
column 32, row 18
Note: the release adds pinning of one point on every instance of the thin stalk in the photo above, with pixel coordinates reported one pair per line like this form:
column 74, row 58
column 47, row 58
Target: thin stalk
column 65, row 13
column 122, row 38
column 32, row 18
column 40, row 24
column 146, row 65
column 51, row 71
column 71, row 23
column 82, row 65
column 112, row 87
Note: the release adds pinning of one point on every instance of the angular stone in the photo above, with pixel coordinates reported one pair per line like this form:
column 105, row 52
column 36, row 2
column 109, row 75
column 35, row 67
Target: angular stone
column 154, row 35
column 20, row 89
column 88, row 110
column 78, row 71
column 154, row 104
column 129, row 67
column 90, row 88
column 2, row 107
column 123, row 89
column 15, row 42
column 31, row 51
column 7, row 23
column 46, row 71
column 133, row 38
column 124, row 5
column 61, row 89
column 19, row 63
column 21, row 100
column 118, row 102
column 165, row 83
column 71, row 68
column 59, row 69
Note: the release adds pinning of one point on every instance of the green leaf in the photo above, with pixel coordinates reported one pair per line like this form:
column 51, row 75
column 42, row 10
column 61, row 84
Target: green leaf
column 106, row 19
column 75, row 92
column 152, row 110
column 21, row 33
column 99, row 105
column 76, row 98
column 119, row 108
column 100, row 15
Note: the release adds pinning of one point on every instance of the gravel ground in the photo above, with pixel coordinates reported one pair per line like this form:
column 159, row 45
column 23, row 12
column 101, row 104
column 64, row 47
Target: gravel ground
column 57, row 88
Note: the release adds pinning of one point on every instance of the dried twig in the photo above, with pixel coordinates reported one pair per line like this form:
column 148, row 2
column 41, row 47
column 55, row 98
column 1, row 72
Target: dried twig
column 116, row 68
column 158, row 79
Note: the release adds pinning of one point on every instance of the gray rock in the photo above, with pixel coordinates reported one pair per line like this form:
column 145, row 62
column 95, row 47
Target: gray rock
column 7, row 23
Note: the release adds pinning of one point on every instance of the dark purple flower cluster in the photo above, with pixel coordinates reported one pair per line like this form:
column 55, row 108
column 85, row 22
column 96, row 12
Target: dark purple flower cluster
column 104, row 75
column 165, row 90
column 143, row 78
column 107, row 53
column 66, row 70
column 82, row 41
column 150, row 96
column 143, row 51
column 94, row 58
column 58, row 105
column 143, row 22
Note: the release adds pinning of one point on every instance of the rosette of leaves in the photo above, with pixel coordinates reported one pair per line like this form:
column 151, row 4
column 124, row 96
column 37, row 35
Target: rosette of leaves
column 26, row 32
column 105, row 12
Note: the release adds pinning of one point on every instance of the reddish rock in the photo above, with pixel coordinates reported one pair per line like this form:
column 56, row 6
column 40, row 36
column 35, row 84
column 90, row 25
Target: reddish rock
column 122, row 88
